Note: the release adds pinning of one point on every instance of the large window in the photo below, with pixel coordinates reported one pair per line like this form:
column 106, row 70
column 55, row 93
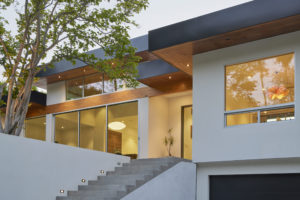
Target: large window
column 123, row 129
column 91, row 85
column 260, row 91
column 35, row 128
column 66, row 129
column 89, row 129
column 93, row 129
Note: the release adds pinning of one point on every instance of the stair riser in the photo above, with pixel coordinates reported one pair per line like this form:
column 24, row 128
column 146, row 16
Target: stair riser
column 122, row 181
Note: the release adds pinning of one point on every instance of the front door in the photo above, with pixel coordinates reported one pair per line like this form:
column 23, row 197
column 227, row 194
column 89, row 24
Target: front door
column 186, row 131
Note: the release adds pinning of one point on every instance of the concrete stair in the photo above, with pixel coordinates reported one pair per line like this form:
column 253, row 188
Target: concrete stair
column 123, row 180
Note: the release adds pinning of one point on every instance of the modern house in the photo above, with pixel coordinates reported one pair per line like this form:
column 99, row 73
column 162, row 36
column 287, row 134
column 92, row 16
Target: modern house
column 225, row 86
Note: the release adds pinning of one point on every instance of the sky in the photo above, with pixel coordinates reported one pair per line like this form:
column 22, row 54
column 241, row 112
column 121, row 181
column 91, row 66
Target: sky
column 164, row 12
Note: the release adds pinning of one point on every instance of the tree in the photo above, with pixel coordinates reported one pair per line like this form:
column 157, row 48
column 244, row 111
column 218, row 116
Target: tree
column 65, row 29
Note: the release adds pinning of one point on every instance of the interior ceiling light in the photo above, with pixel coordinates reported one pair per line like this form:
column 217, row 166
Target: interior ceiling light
column 116, row 126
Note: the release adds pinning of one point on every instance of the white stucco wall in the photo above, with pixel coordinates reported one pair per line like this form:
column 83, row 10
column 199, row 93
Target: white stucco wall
column 143, row 127
column 211, row 140
column 158, row 126
column 177, row 183
column 56, row 93
column 273, row 166
column 35, row 170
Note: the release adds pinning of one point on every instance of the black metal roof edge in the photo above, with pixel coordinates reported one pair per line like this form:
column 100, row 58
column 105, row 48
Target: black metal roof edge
column 155, row 68
column 35, row 97
column 140, row 43
column 226, row 20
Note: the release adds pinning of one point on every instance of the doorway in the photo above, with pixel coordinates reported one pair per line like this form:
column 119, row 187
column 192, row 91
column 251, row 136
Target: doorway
column 186, row 131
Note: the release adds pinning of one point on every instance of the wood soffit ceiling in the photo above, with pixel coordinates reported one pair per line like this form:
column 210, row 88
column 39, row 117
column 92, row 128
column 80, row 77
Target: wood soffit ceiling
column 78, row 72
column 181, row 55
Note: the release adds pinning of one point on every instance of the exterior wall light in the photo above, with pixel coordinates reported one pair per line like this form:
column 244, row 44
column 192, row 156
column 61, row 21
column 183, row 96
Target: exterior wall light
column 116, row 126
column 61, row 191
column 170, row 77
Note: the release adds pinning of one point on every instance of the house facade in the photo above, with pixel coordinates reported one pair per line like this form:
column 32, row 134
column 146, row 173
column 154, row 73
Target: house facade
column 224, row 85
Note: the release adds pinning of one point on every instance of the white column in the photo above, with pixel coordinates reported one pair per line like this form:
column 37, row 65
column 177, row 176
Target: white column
column 50, row 128
column 143, row 119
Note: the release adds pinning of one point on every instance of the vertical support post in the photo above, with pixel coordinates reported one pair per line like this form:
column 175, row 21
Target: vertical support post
column 50, row 124
column 106, row 131
column 143, row 127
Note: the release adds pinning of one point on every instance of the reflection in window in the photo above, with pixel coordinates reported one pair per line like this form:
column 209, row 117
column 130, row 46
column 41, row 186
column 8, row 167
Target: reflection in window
column 122, row 135
column 92, row 129
column 93, row 85
column 74, row 88
column 241, row 118
column 278, row 115
column 35, row 128
column 66, row 129
column 261, row 83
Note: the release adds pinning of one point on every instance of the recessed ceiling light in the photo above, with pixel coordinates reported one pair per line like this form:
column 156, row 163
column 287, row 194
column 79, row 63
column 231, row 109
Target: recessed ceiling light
column 116, row 126
column 62, row 127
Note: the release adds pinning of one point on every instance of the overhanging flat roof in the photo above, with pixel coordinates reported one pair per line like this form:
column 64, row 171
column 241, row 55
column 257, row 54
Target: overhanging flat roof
column 243, row 23
column 227, row 20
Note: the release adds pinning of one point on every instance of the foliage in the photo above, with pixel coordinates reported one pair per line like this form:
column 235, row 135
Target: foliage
column 169, row 141
column 65, row 29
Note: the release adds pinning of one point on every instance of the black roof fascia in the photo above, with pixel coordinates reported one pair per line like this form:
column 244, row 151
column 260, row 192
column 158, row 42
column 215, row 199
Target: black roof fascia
column 140, row 43
column 35, row 97
column 223, row 21
column 155, row 68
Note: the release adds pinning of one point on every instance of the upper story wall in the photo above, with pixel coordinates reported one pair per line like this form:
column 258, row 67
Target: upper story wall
column 56, row 93
column 212, row 141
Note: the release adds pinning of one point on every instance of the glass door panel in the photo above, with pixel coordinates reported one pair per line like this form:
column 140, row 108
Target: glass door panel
column 122, row 137
column 187, row 133
column 66, row 129
column 93, row 129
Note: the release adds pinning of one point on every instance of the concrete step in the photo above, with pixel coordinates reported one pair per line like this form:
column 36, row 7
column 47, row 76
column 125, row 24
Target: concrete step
column 116, row 184
column 103, row 187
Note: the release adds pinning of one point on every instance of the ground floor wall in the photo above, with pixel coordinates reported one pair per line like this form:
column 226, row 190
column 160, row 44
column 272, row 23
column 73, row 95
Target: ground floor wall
column 254, row 167
column 35, row 170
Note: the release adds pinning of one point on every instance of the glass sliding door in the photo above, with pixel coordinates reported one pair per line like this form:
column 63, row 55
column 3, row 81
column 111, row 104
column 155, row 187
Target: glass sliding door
column 187, row 133
column 87, row 129
column 66, row 129
column 93, row 129
column 35, row 128
column 122, row 135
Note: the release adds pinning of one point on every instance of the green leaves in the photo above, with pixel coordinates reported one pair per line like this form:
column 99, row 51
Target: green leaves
column 65, row 29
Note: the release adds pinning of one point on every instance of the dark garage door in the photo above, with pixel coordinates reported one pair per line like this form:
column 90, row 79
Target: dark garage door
column 255, row 187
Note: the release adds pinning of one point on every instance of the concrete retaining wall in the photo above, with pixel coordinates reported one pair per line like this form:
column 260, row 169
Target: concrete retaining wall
column 35, row 170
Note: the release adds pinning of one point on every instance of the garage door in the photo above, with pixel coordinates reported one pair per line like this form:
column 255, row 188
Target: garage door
column 255, row 187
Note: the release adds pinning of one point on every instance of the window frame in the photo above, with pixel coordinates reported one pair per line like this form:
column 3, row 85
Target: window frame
column 259, row 109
